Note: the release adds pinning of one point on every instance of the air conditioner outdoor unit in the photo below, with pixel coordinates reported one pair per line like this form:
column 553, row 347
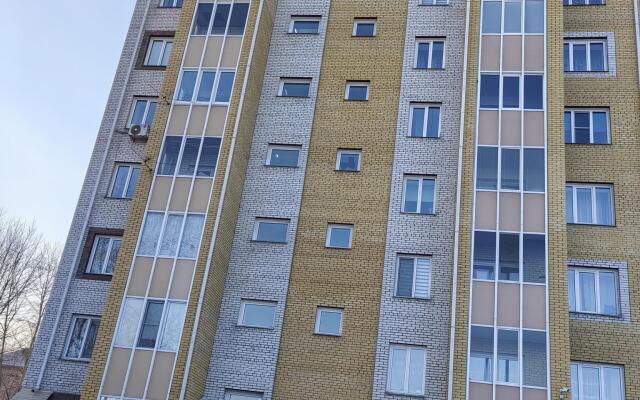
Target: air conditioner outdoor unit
column 139, row 132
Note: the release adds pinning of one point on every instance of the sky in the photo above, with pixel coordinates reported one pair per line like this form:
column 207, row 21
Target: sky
column 57, row 64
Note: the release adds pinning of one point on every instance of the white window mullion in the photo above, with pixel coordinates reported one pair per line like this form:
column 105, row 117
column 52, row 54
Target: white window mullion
column 425, row 122
column 103, row 268
column 84, row 336
column 407, row 370
column 415, row 276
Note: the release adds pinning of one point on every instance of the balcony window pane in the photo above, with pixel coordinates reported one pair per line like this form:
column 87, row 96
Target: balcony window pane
column 203, row 16
column 487, row 168
column 220, row 19
column 223, row 93
column 484, row 255
column 191, row 236
column 151, row 324
column 170, row 154
column 189, row 157
column 187, row 85
column 491, row 16
column 510, row 167
column 489, row 88
column 534, row 170
column 534, row 16
column 534, row 358
column 509, row 257
column 150, row 234
column 511, row 91
column 238, row 18
column 206, row 86
column 512, row 17
column 208, row 157
column 481, row 354
column 533, row 91
column 171, row 235
column 172, row 329
column 508, row 365
column 534, row 258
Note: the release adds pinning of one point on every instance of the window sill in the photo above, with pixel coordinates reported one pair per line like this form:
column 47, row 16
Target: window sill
column 303, row 33
column 251, row 327
column 76, row 360
column 423, row 137
column 152, row 67
column 588, row 144
column 267, row 241
column 413, row 396
column 94, row 277
column 590, row 225
column 282, row 166
column 428, row 69
column 293, row 97
column 337, row 248
column 418, row 214
column 347, row 171
column 412, row 299
column 118, row 198
column 331, row 335
column 595, row 315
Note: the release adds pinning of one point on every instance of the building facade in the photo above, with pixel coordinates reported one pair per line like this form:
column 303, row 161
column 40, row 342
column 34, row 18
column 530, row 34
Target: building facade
column 358, row 200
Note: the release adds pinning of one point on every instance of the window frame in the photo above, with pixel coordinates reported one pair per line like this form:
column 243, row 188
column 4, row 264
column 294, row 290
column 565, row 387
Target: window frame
column 433, row 2
column 180, row 155
column 591, row 112
column 367, row 21
column 350, row 84
column 414, row 259
column 174, row 2
column 256, row 228
column 241, row 314
column 335, row 310
column 74, row 318
column 134, row 103
column 339, row 226
column 591, row 186
column 284, row 81
column 304, row 18
column 425, row 121
column 421, row 179
column 407, row 369
column 116, row 167
column 600, row 367
column 231, row 394
column 431, row 41
column 166, row 40
column 577, row 269
column 196, row 87
column 357, row 152
column 586, row 3
column 571, row 41
column 287, row 147
column 94, row 245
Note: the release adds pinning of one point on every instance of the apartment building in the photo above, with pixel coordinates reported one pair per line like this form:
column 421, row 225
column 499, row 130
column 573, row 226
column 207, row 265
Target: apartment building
column 358, row 200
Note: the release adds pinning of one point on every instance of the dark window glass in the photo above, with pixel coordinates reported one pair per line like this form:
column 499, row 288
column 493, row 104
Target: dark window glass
column 208, row 157
column 437, row 55
column 203, row 16
column 433, row 122
column 484, row 255
column 271, row 231
column 405, row 277
column 220, row 19
column 597, row 56
column 349, row 161
column 511, row 92
column 534, row 358
column 423, row 55
column 238, row 18
column 568, row 129
column 133, row 181
column 284, row 157
column 187, row 85
column 600, row 128
column 509, row 257
column 169, row 157
column 151, row 113
column 306, row 26
column 295, row 89
column 579, row 57
column 90, row 341
column 487, row 168
column 510, row 167
column 481, row 353
column 206, row 86
column 533, row 258
column 582, row 127
column 417, row 122
column 489, row 91
column 357, row 92
column 225, row 85
column 534, row 170
column 150, row 324
column 533, row 92
column 567, row 59
column 365, row 29
column 189, row 157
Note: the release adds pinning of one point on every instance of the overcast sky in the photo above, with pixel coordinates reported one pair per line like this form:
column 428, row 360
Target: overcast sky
column 56, row 67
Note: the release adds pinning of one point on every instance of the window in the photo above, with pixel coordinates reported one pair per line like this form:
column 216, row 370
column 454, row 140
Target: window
column 414, row 277
column 171, row 329
column 257, row 314
column 171, row 3
column 489, row 89
column 176, row 238
column 587, row 126
column 491, row 16
column 484, row 255
column 534, row 16
column 590, row 204
column 103, row 254
column 511, row 92
column 271, row 230
column 481, row 354
column 593, row 291
column 487, row 168
column 425, row 120
column 429, row 54
column 532, row 91
column 186, row 150
column 283, row 156
column 339, row 236
column 433, row 2
column 585, row 55
column 419, row 195
column 509, row 257
column 513, row 16
column 508, row 361
column 357, row 91
column 125, row 178
column 212, row 85
column 406, row 370
column 534, row 170
column 348, row 160
column 158, row 52
column 510, row 169
column 304, row 25
column 294, row 87
column 534, row 358
column 596, row 381
column 82, row 338
column 231, row 20
column 233, row 395
column 493, row 13
column 142, row 112
column 364, row 27
column 581, row 2
column 329, row 321
column 150, row 324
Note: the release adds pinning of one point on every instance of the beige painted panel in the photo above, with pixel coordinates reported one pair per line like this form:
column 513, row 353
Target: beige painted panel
column 480, row 391
column 194, row 52
column 534, row 53
column 200, row 195
column 511, row 128
column 534, row 212
column 507, row 392
column 140, row 276
column 490, row 58
column 212, row 54
column 534, row 307
column 482, row 303
column 534, row 128
column 509, row 304
column 534, row 394
column 161, row 277
column 512, row 53
column 510, row 211
column 138, row 373
column 197, row 120
column 161, row 376
column 116, row 371
column 488, row 127
column 178, row 120
column 181, row 283
column 160, row 193
column 217, row 118
column 486, row 209
column 180, row 194
column 231, row 52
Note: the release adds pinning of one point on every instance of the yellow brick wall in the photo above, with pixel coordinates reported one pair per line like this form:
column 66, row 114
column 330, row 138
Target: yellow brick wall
column 322, row 367
column 618, row 164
